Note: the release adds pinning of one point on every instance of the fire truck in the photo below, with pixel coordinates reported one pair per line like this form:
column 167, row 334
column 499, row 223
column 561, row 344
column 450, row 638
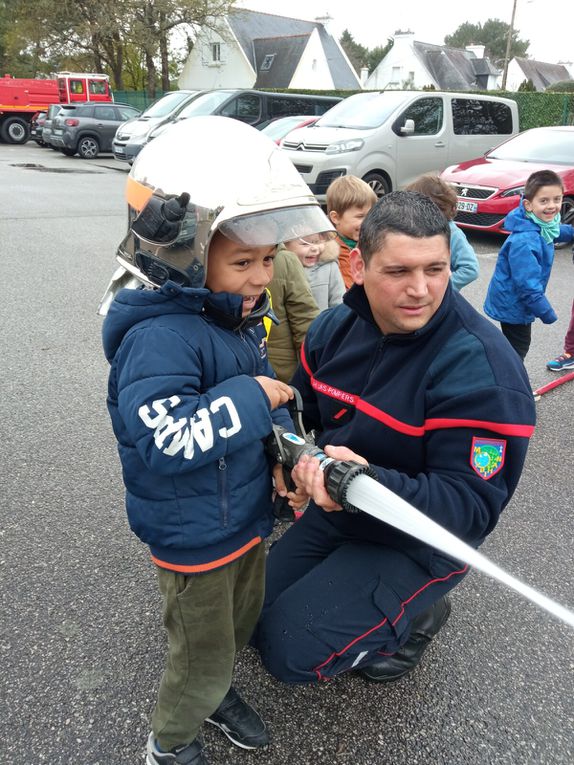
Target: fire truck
column 20, row 99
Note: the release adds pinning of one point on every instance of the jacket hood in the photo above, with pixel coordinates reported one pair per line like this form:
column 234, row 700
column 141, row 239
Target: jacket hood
column 516, row 220
column 330, row 252
column 132, row 306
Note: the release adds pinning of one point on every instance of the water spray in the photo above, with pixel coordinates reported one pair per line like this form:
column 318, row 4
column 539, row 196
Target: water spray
column 355, row 487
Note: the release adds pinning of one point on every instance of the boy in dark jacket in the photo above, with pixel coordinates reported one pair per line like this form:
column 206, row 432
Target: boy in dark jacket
column 515, row 294
column 192, row 397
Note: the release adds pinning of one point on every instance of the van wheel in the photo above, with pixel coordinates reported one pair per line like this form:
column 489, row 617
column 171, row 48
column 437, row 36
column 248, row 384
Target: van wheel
column 378, row 183
column 567, row 214
column 68, row 152
column 88, row 148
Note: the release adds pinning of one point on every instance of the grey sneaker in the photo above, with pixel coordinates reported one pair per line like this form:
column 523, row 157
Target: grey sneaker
column 240, row 722
column 188, row 754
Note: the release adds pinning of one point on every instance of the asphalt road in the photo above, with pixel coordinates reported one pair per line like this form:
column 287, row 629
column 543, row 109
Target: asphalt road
column 81, row 641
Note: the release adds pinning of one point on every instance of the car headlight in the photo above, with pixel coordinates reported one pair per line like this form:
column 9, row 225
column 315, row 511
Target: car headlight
column 515, row 192
column 340, row 147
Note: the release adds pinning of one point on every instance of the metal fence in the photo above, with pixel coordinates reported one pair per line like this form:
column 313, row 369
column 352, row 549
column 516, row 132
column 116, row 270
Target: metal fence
column 137, row 98
column 534, row 109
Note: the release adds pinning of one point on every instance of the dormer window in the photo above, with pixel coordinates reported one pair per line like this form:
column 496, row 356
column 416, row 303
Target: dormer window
column 267, row 62
column 216, row 51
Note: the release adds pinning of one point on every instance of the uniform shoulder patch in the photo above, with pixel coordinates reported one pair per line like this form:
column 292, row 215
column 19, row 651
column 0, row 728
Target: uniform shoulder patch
column 487, row 456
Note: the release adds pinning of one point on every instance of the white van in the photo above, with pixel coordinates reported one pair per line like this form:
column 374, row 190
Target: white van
column 388, row 139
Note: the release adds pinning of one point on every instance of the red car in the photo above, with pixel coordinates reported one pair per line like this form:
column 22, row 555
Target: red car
column 278, row 128
column 490, row 187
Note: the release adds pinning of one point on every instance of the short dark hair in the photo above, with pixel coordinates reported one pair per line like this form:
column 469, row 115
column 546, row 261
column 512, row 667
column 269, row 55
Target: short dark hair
column 401, row 212
column 539, row 179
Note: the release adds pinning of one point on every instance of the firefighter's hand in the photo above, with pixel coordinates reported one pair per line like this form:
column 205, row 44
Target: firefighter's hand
column 277, row 392
column 298, row 498
column 308, row 475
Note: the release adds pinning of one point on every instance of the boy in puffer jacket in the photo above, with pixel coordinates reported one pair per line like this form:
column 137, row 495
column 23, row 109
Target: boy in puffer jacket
column 515, row 294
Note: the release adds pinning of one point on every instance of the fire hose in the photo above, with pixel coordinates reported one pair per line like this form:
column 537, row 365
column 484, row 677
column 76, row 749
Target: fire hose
column 355, row 487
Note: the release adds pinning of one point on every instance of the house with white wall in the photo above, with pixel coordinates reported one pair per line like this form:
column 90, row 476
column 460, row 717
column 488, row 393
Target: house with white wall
column 249, row 49
column 411, row 64
column 540, row 74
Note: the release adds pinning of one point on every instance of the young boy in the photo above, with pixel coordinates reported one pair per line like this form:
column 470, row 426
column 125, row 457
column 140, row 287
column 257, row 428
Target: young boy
column 515, row 294
column 192, row 398
column 320, row 259
column 349, row 199
column 463, row 261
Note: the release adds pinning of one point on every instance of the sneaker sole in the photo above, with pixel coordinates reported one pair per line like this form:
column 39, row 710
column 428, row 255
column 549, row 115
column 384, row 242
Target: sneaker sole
column 229, row 735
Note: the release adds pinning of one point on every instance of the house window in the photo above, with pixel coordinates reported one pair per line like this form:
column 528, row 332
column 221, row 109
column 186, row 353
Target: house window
column 216, row 51
column 267, row 62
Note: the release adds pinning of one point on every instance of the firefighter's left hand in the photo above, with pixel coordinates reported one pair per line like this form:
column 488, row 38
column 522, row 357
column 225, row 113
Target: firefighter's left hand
column 308, row 475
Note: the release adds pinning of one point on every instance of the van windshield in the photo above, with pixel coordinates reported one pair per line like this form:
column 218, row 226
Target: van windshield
column 205, row 104
column 166, row 104
column 363, row 110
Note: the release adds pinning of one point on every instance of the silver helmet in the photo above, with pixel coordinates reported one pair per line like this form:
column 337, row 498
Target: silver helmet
column 208, row 174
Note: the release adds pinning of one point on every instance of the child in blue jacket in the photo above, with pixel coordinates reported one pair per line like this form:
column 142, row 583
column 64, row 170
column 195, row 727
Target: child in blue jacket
column 192, row 398
column 516, row 293
column 463, row 261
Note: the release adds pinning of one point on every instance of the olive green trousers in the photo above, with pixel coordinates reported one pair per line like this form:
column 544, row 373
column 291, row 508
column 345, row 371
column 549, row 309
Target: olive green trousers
column 209, row 618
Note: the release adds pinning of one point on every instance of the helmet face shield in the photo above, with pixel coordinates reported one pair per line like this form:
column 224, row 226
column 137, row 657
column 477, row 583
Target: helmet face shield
column 208, row 174
column 274, row 226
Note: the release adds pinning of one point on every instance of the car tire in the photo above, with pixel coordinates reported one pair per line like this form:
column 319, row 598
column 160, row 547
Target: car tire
column 88, row 147
column 378, row 182
column 15, row 130
column 68, row 152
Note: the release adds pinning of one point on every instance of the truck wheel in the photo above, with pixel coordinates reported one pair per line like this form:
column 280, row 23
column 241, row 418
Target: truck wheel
column 15, row 130
column 88, row 147
column 378, row 183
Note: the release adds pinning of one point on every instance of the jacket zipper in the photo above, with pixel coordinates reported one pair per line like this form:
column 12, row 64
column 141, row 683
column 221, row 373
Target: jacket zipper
column 222, row 481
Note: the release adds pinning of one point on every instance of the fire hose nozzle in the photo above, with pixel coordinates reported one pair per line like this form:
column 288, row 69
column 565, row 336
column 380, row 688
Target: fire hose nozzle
column 339, row 474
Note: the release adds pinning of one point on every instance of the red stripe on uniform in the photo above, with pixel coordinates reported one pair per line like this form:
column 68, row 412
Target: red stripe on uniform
column 502, row 428
column 317, row 669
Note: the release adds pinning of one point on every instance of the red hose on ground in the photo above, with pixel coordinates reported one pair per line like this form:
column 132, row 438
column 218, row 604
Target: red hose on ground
column 554, row 384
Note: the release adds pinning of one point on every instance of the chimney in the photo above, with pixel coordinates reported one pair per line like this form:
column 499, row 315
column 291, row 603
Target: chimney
column 478, row 50
column 325, row 20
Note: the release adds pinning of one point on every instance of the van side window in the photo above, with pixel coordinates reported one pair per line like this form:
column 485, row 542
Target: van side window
column 246, row 108
column 427, row 114
column 475, row 117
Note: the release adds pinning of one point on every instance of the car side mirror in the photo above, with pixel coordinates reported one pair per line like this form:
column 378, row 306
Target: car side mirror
column 408, row 128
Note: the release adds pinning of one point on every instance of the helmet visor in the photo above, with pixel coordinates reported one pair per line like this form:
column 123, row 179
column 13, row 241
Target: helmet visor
column 269, row 227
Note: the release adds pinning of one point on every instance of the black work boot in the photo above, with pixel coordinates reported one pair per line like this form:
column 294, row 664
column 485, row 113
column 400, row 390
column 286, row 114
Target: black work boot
column 240, row 722
column 423, row 629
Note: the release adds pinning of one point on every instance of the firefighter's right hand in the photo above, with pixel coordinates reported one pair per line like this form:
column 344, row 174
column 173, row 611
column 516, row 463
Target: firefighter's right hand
column 277, row 392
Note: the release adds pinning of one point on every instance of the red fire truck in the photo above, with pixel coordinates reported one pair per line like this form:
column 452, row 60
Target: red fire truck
column 20, row 99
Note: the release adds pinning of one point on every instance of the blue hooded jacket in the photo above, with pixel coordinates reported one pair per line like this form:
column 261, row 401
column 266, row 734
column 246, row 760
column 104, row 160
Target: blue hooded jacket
column 516, row 290
column 190, row 422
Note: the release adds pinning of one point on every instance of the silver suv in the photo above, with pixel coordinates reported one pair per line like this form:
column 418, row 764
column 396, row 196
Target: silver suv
column 87, row 129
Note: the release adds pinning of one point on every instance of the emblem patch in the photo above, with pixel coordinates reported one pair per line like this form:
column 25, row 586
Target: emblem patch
column 487, row 456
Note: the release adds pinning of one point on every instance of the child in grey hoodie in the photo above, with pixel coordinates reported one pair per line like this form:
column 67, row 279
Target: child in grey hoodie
column 320, row 261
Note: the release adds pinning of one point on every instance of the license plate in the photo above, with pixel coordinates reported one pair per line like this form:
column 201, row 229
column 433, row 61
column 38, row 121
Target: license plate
column 470, row 207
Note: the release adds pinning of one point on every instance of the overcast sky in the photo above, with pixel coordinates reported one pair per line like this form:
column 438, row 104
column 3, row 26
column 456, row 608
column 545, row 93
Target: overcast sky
column 547, row 24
